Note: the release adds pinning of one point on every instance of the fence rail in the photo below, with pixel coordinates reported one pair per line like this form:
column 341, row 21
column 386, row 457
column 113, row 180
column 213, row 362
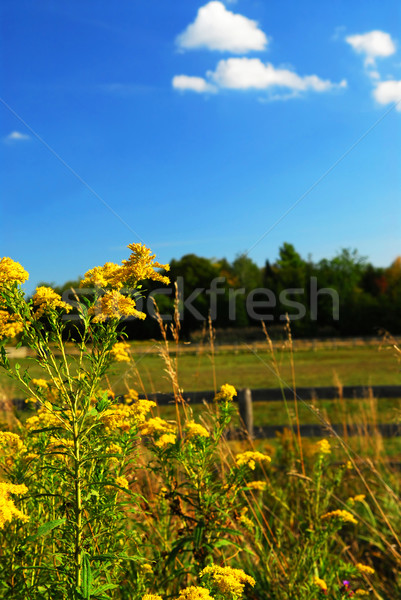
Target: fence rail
column 247, row 397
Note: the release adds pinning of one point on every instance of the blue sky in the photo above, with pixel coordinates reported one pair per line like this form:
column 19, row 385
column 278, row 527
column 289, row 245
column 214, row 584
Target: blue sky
column 195, row 127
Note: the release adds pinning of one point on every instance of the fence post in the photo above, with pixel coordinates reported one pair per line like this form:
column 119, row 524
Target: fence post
column 246, row 411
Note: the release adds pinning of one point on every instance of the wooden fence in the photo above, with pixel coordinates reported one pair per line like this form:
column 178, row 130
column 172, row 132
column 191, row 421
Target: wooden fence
column 247, row 397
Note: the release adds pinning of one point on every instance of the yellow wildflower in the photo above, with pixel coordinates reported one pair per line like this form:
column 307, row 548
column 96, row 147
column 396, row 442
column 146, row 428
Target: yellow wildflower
column 126, row 416
column 40, row 383
column 132, row 396
column 147, row 568
column 257, row 485
column 165, row 440
column 106, row 276
column 358, row 498
column 10, row 325
column 11, row 272
column 114, row 305
column 122, row 482
column 119, row 352
column 151, row 597
column 194, row 430
column 11, row 441
column 43, row 418
column 360, row 592
column 342, row 515
column 364, row 569
column 141, row 265
column 227, row 392
column 46, row 299
column 323, row 447
column 320, row 583
column 7, row 508
column 156, row 425
column 194, row 593
column 227, row 579
column 250, row 458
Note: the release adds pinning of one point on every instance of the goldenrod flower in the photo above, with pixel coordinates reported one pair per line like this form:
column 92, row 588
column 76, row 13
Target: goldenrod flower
column 360, row 592
column 141, row 265
column 227, row 392
column 323, row 447
column 195, row 593
column 106, row 276
column 124, row 416
column 132, row 396
column 228, row 580
column 119, row 352
column 194, row 430
column 114, row 305
column 156, row 425
column 11, row 441
column 342, row 515
column 122, row 482
column 40, row 383
column 46, row 299
column 10, row 325
column 11, row 272
column 147, row 568
column 7, row 508
column 257, row 485
column 250, row 458
column 165, row 440
column 364, row 569
column 358, row 498
column 320, row 583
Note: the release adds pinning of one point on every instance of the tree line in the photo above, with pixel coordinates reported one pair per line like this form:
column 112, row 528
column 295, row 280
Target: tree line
column 345, row 295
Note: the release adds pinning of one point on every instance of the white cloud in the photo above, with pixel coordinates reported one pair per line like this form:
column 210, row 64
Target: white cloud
column 217, row 28
column 252, row 73
column 195, row 84
column 17, row 136
column 387, row 92
column 373, row 44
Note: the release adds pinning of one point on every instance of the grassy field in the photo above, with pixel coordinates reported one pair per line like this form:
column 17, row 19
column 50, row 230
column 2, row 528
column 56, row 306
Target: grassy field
column 366, row 366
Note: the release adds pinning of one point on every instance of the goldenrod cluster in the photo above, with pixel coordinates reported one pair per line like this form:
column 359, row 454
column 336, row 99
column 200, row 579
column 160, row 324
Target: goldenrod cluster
column 227, row 392
column 342, row 515
column 151, row 597
column 157, row 426
column 140, row 265
column 10, row 325
column 194, row 430
column 125, row 416
column 228, row 580
column 41, row 383
column 44, row 418
column 250, row 459
column 194, row 593
column 165, row 440
column 114, row 305
column 122, row 482
column 320, row 583
column 107, row 276
column 364, row 569
column 46, row 299
column 257, row 485
column 11, row 272
column 358, row 498
column 323, row 447
column 119, row 352
column 11, row 442
column 7, row 508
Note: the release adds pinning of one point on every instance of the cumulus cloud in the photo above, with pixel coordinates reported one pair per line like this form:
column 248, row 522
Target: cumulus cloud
column 194, row 84
column 252, row 73
column 217, row 28
column 16, row 136
column 387, row 92
column 374, row 44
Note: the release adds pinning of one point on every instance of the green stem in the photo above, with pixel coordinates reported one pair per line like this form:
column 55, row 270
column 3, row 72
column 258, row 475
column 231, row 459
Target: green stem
column 78, row 508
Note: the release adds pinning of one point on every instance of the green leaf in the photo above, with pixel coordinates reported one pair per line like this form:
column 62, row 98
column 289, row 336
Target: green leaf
column 86, row 577
column 45, row 529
